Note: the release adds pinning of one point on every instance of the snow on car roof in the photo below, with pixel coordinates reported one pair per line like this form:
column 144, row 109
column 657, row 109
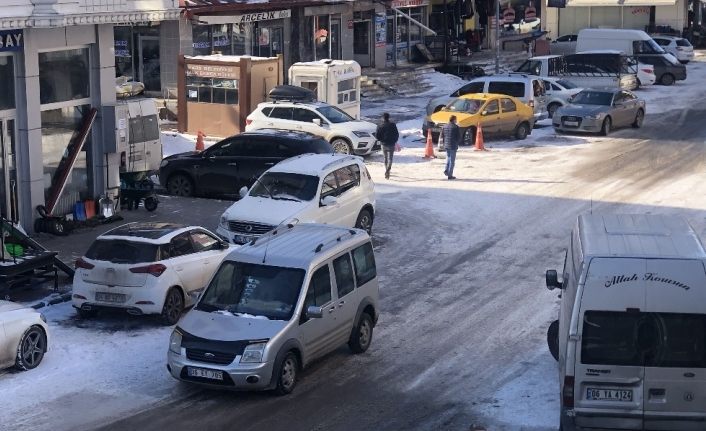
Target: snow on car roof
column 312, row 164
column 150, row 231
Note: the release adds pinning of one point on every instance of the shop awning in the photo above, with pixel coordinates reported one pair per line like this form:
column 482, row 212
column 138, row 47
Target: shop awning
column 627, row 3
column 200, row 7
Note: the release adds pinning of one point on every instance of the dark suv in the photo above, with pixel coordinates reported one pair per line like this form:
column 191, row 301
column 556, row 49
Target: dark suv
column 667, row 68
column 234, row 162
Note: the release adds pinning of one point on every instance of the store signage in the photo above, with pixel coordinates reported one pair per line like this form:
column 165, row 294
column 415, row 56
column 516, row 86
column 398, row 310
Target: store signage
column 261, row 16
column 409, row 3
column 211, row 71
column 344, row 73
column 11, row 40
column 380, row 30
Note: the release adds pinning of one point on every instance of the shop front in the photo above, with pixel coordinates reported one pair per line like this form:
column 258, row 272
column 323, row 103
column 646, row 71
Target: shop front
column 11, row 45
column 137, row 54
column 402, row 33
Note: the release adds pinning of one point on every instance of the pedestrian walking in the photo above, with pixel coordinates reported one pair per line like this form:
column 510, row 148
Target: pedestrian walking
column 388, row 135
column 452, row 139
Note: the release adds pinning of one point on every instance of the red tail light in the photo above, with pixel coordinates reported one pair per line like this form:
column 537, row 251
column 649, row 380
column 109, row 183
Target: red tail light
column 80, row 263
column 248, row 121
column 155, row 269
column 567, row 393
column 650, row 71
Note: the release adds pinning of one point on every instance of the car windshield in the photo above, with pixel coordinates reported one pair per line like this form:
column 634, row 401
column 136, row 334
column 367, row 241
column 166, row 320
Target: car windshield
column 566, row 84
column 593, row 98
column 122, row 251
column 470, row 106
column 683, row 42
column 533, row 67
column 251, row 290
column 286, row 186
column 334, row 114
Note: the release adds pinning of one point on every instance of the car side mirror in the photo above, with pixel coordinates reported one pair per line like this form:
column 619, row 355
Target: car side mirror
column 570, row 99
column 484, row 113
column 329, row 201
column 316, row 121
column 552, row 279
column 314, row 312
column 224, row 245
column 243, row 192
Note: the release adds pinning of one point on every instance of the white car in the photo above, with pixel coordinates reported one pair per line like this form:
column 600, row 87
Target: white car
column 147, row 268
column 564, row 44
column 558, row 92
column 679, row 47
column 312, row 188
column 345, row 133
column 24, row 336
column 646, row 74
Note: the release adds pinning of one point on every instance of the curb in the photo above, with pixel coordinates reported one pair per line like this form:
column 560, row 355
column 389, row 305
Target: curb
column 61, row 298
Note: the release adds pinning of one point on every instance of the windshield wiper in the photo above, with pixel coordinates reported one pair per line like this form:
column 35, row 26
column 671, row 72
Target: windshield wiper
column 257, row 180
column 285, row 198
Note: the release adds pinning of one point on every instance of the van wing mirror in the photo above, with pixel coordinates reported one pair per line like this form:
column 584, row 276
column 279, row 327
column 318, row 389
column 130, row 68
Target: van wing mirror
column 552, row 279
column 316, row 121
column 243, row 192
column 314, row 312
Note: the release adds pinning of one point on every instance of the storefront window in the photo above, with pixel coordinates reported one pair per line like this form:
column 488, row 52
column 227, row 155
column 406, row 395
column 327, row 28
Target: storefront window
column 239, row 39
column 7, row 82
column 347, row 91
column 268, row 41
column 321, row 36
column 63, row 75
column 225, row 39
column 220, row 36
column 59, row 127
column 202, row 39
column 123, row 52
column 212, row 90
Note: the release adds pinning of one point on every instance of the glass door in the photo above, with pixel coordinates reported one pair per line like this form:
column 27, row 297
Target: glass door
column 8, row 172
column 149, row 63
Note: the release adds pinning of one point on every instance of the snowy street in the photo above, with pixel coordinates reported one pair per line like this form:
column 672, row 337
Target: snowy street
column 461, row 340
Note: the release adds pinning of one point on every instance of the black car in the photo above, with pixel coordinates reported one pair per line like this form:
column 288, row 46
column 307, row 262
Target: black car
column 234, row 162
column 667, row 68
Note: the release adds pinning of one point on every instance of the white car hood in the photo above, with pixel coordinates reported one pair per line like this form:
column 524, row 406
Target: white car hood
column 264, row 210
column 6, row 306
column 227, row 327
column 354, row 126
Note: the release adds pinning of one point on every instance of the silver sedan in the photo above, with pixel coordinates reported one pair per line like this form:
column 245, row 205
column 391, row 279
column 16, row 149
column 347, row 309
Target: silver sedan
column 599, row 111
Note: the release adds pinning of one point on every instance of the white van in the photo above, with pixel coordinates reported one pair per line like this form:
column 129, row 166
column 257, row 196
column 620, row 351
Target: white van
column 631, row 336
column 588, row 70
column 631, row 42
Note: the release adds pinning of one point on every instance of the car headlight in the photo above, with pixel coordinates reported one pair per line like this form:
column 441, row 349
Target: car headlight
column 175, row 342
column 594, row 116
column 253, row 353
column 163, row 163
column 224, row 221
column 362, row 134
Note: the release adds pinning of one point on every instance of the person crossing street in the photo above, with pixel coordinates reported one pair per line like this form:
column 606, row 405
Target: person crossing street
column 452, row 139
column 388, row 135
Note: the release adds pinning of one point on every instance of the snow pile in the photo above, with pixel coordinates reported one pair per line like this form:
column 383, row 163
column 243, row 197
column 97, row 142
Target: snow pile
column 175, row 143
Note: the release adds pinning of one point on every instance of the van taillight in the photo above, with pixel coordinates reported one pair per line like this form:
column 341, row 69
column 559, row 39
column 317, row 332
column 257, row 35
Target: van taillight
column 155, row 269
column 248, row 121
column 567, row 393
column 80, row 263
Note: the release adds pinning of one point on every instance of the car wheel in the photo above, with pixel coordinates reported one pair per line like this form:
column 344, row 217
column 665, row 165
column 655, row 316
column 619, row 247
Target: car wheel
column 553, row 339
column 362, row 334
column 522, row 131
column 341, row 146
column 180, row 185
column 173, row 307
column 607, row 124
column 151, row 203
column 667, row 79
column 31, row 349
column 365, row 221
column 639, row 118
column 469, row 137
column 551, row 109
column 287, row 374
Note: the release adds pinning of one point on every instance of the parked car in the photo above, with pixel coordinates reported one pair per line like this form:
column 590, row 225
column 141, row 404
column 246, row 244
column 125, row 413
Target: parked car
column 146, row 268
column 277, row 304
column 600, row 110
column 677, row 46
column 24, row 336
column 564, row 44
column 313, row 188
column 559, row 91
column 234, row 162
column 346, row 134
column 528, row 89
column 497, row 114
column 667, row 69
column 630, row 42
column 646, row 74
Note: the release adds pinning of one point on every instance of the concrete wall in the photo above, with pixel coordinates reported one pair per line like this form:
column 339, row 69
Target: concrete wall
column 169, row 49
column 675, row 16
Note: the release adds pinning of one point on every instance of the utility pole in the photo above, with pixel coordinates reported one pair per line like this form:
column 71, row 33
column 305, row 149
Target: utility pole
column 497, row 36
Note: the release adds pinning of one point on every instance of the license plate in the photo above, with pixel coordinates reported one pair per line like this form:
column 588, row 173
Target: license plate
column 204, row 373
column 595, row 394
column 110, row 297
column 571, row 123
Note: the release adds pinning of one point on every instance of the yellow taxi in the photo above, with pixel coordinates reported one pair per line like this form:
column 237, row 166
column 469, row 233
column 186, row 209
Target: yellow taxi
column 498, row 114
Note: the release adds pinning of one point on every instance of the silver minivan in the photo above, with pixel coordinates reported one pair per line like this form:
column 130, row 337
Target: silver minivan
column 276, row 304
column 631, row 336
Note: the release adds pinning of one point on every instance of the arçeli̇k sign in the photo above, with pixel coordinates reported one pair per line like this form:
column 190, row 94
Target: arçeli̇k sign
column 11, row 40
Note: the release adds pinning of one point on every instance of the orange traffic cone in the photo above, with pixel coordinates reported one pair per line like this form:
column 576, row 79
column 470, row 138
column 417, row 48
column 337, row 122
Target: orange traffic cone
column 429, row 150
column 199, row 141
column 479, row 139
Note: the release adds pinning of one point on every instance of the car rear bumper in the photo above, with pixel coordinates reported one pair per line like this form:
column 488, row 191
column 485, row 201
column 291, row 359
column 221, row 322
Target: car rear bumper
column 138, row 300
column 250, row 377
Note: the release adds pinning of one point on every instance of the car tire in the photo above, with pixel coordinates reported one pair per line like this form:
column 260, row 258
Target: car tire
column 86, row 314
column 667, row 79
column 180, row 185
column 365, row 221
column 173, row 307
column 553, row 339
column 639, row 118
column 151, row 203
column 551, row 109
column 287, row 374
column 31, row 349
column 521, row 131
column 469, row 137
column 341, row 146
column 362, row 334
column 607, row 125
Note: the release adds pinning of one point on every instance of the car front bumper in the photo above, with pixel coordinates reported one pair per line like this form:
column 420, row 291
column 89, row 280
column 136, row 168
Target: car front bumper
column 234, row 237
column 365, row 146
column 684, row 55
column 148, row 299
column 236, row 376
column 583, row 124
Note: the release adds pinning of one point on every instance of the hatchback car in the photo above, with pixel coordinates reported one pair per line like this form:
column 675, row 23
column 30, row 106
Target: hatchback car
column 24, row 336
column 313, row 188
column 277, row 304
column 600, row 110
column 234, row 162
column 146, row 268
column 564, row 44
column 559, row 91
column 679, row 47
column 497, row 114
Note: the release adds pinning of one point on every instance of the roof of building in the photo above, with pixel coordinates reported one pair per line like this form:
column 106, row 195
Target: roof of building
column 639, row 235
column 313, row 164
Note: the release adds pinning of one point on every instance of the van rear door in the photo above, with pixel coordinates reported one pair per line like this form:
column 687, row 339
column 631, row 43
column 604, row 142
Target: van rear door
column 608, row 391
column 675, row 368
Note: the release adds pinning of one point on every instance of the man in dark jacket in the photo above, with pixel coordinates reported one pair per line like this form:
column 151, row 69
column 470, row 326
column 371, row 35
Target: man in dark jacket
column 387, row 134
column 452, row 139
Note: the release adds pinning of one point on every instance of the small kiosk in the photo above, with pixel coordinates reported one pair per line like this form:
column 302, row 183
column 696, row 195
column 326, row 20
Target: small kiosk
column 336, row 82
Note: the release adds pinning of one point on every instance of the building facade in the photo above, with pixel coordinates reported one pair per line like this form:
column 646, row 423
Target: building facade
column 56, row 63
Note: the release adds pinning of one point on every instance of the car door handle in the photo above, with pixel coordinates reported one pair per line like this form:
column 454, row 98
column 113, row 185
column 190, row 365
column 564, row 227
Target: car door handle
column 340, row 303
column 232, row 164
column 332, row 309
column 270, row 124
column 269, row 164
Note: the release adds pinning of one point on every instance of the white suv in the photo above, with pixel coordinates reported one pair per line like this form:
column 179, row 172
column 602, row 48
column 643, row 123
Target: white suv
column 312, row 188
column 345, row 133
